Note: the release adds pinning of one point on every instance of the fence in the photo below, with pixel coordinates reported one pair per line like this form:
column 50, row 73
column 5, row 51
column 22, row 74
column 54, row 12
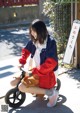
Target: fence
column 8, row 3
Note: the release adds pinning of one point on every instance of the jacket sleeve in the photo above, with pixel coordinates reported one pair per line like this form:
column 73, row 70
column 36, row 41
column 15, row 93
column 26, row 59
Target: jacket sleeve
column 24, row 56
column 46, row 67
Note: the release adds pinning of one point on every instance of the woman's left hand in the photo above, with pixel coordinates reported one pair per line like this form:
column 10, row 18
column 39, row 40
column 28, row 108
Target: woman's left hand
column 36, row 77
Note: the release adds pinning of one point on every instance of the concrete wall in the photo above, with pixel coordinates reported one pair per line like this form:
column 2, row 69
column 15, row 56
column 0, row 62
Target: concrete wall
column 17, row 14
column 41, row 8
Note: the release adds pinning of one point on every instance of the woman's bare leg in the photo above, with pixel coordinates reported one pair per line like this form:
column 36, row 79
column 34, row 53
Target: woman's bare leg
column 35, row 90
column 51, row 93
column 15, row 81
column 38, row 90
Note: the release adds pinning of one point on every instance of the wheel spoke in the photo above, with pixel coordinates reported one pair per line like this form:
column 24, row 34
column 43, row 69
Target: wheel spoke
column 14, row 100
column 11, row 97
column 18, row 98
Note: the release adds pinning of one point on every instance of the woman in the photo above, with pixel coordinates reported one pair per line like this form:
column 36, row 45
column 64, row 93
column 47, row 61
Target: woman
column 42, row 49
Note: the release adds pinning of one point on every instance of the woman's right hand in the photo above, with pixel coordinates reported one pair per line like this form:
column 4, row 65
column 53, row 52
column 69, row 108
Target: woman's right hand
column 20, row 66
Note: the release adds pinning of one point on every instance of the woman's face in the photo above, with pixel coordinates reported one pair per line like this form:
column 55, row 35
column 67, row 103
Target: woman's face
column 34, row 34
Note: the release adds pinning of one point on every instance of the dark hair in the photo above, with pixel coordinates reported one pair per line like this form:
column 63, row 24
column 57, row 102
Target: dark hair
column 40, row 28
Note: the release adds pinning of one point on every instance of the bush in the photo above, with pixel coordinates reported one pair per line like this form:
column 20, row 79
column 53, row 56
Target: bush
column 60, row 21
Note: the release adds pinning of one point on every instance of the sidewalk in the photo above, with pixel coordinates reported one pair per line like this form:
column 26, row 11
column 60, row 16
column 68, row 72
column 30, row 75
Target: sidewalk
column 7, row 69
column 69, row 101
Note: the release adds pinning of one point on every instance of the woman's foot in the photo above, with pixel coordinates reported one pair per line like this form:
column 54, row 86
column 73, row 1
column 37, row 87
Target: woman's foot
column 53, row 98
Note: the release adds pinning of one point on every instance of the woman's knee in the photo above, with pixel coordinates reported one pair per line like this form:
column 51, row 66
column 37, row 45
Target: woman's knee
column 22, row 87
column 14, row 82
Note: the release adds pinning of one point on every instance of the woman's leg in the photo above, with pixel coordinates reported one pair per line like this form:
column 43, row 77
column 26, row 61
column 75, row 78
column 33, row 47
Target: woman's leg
column 53, row 98
column 15, row 81
column 35, row 90
column 51, row 93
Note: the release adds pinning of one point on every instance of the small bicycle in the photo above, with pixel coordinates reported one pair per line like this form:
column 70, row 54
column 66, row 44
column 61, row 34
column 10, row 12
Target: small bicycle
column 15, row 98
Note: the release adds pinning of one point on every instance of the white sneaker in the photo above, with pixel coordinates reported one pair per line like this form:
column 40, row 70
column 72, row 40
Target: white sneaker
column 53, row 98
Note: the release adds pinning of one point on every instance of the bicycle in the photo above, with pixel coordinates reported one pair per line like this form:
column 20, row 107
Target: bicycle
column 15, row 98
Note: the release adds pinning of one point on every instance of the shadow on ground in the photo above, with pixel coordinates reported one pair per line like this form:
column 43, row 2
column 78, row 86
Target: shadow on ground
column 7, row 72
column 75, row 74
column 14, row 39
column 39, row 106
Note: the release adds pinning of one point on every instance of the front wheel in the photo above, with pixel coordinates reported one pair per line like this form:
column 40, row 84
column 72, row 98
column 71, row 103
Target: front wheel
column 15, row 98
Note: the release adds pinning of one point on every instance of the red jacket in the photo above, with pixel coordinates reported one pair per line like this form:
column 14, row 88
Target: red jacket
column 49, row 63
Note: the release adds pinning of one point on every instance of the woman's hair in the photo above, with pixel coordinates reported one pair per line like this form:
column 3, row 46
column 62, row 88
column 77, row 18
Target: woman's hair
column 40, row 28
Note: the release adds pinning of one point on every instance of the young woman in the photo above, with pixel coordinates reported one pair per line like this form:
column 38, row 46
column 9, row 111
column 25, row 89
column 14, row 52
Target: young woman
column 42, row 49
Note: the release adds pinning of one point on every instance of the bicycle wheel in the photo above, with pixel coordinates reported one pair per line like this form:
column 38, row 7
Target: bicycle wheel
column 15, row 98
column 58, row 85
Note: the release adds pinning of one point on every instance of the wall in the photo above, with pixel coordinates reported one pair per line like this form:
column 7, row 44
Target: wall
column 17, row 14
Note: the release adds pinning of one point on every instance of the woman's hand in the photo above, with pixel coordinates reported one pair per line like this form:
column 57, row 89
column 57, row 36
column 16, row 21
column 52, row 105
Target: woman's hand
column 27, row 74
column 30, row 81
column 20, row 66
column 36, row 77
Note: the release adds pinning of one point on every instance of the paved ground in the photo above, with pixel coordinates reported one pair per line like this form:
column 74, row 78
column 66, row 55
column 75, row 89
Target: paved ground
column 69, row 98
column 11, row 42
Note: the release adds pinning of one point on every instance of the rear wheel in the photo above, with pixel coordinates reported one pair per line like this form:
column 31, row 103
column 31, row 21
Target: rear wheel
column 58, row 84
